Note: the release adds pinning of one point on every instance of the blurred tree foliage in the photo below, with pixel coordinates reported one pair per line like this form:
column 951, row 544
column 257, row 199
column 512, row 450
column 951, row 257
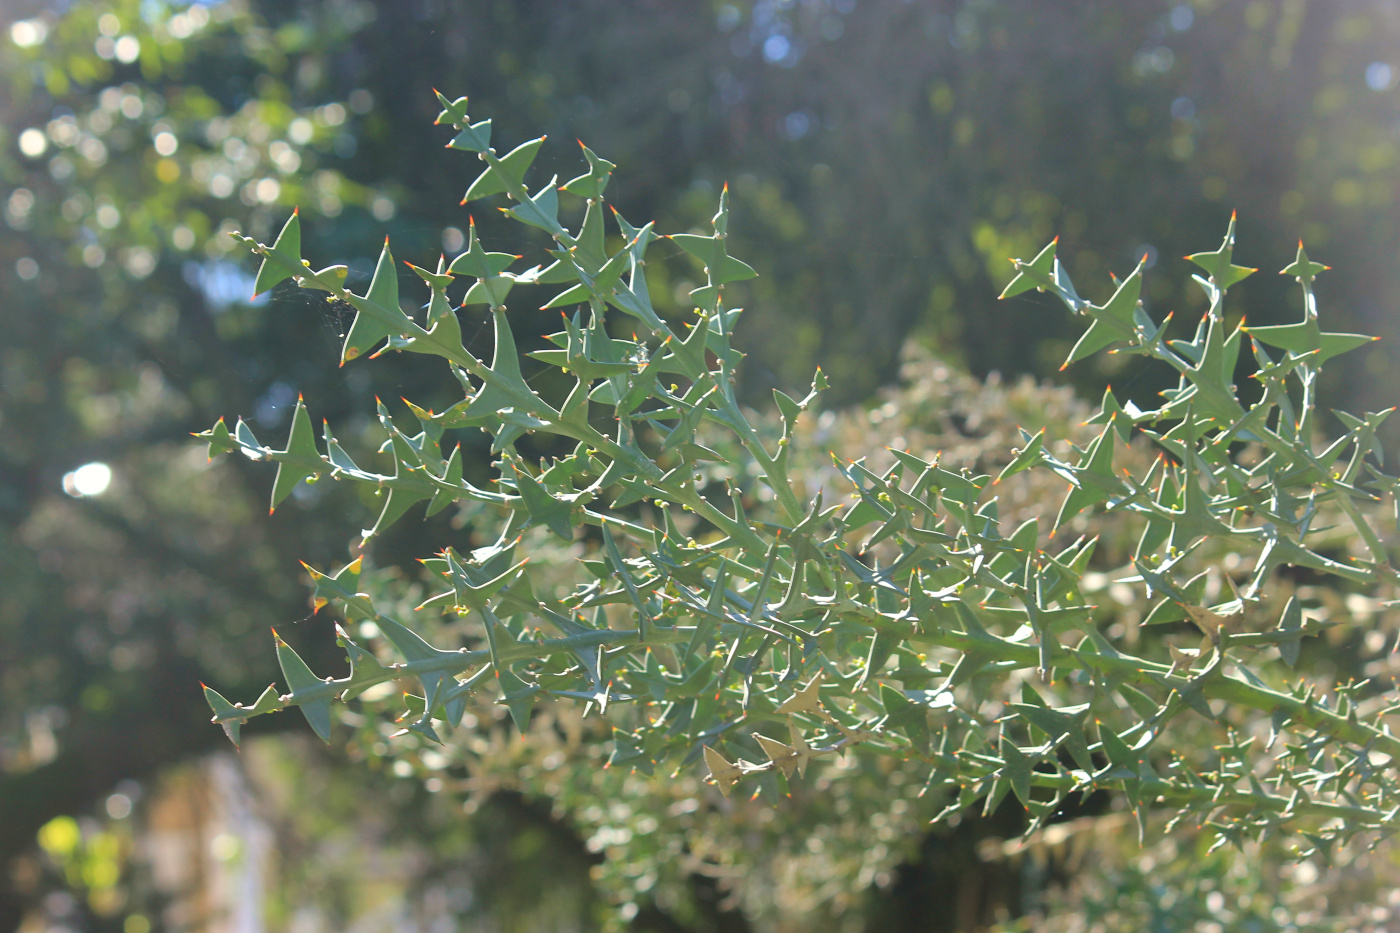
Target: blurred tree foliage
column 134, row 132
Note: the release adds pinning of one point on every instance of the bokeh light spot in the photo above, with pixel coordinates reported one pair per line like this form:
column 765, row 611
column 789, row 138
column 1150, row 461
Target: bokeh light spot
column 90, row 479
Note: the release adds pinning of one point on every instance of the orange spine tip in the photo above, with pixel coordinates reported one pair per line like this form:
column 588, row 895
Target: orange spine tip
column 296, row 211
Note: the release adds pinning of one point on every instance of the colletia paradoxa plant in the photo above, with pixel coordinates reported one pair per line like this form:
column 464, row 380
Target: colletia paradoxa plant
column 733, row 619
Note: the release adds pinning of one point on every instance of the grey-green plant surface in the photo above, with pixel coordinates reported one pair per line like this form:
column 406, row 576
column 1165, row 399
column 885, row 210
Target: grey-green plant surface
column 738, row 611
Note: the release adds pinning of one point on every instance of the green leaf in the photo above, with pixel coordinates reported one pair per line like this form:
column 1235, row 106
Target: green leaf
column 283, row 260
column 1218, row 264
column 490, row 291
column 1110, row 412
column 475, row 261
column 590, row 246
column 475, row 137
column 1116, row 320
column 1033, row 274
column 1120, row 755
column 508, row 173
column 594, row 182
column 1093, row 481
column 544, row 508
column 518, row 697
column 341, row 585
column 1142, row 704
column 1030, row 454
column 1290, row 624
column 603, row 282
column 906, row 716
column 225, row 714
column 377, row 313
column 787, row 406
column 708, row 249
column 1016, row 770
column 365, row 669
column 453, row 111
column 1307, row 337
column 412, row 646
column 300, row 679
column 542, row 210
column 615, row 558
column 451, row 479
column 299, row 460
column 220, row 439
column 1061, row 726
column 1302, row 268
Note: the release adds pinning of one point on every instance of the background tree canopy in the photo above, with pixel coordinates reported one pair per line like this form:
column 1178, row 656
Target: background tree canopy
column 936, row 139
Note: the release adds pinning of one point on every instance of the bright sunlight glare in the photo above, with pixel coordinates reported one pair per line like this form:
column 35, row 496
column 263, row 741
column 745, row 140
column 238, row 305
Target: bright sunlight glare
column 90, row 479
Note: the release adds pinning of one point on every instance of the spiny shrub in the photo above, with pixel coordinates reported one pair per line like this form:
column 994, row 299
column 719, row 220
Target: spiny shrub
column 732, row 614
